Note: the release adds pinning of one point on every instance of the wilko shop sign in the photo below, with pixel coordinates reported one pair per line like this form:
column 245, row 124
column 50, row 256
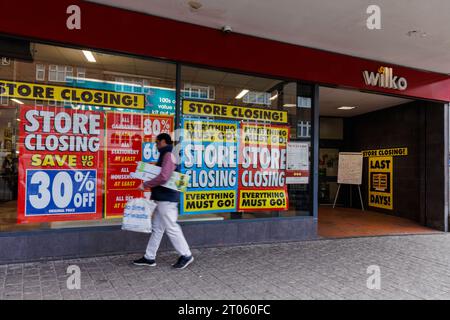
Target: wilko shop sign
column 385, row 78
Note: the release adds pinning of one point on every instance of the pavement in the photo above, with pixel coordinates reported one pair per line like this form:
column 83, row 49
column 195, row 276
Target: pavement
column 410, row 267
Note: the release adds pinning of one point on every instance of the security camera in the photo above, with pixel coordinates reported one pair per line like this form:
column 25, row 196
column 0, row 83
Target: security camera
column 227, row 29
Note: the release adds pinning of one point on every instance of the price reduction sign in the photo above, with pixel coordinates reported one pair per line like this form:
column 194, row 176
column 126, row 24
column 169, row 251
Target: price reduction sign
column 60, row 167
column 130, row 138
column 60, row 192
column 152, row 127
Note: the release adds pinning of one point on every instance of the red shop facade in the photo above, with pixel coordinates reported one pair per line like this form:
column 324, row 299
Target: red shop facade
column 177, row 62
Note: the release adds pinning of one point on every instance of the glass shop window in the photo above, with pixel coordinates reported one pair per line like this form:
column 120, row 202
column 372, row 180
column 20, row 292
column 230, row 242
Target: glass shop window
column 241, row 148
column 73, row 133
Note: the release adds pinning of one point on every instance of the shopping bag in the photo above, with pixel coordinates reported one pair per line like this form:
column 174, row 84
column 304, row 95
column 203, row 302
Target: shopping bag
column 137, row 215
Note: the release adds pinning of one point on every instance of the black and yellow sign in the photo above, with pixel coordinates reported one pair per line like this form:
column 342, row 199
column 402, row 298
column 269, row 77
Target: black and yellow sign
column 233, row 112
column 35, row 91
column 381, row 182
column 385, row 152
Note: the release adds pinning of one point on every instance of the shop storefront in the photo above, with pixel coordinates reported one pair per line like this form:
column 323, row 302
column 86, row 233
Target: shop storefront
column 80, row 112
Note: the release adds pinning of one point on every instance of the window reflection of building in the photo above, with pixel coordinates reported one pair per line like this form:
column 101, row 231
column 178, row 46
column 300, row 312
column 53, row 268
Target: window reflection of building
column 304, row 129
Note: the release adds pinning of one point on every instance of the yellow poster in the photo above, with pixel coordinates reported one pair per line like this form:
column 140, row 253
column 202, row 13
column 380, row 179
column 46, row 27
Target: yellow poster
column 209, row 201
column 36, row 91
column 263, row 199
column 385, row 152
column 381, row 182
column 233, row 112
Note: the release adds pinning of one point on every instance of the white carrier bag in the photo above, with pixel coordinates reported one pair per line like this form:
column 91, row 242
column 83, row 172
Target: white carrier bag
column 137, row 215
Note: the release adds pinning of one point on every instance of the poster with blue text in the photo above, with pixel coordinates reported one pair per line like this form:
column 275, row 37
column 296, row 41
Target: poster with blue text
column 61, row 164
column 210, row 158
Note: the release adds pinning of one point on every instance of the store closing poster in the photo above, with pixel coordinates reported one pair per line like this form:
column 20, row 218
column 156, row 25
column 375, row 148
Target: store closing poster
column 60, row 164
column 381, row 175
column 210, row 158
column 262, row 167
column 130, row 138
column 381, row 182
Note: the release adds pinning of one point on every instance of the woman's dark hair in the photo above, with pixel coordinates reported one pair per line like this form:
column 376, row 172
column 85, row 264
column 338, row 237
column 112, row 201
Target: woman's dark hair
column 166, row 137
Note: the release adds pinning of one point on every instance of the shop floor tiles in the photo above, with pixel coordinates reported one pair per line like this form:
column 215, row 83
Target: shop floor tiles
column 347, row 222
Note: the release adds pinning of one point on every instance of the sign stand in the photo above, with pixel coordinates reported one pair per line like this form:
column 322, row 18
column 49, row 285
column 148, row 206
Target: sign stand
column 350, row 172
column 337, row 194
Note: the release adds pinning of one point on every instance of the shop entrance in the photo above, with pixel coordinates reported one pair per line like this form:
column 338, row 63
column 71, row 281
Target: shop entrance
column 390, row 133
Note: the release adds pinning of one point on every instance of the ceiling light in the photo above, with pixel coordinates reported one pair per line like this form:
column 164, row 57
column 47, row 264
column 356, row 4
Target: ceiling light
column 274, row 97
column 89, row 56
column 241, row 94
column 17, row 101
column 346, row 108
column 288, row 105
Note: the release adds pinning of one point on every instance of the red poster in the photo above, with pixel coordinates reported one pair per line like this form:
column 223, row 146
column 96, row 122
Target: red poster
column 130, row 138
column 262, row 167
column 60, row 164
